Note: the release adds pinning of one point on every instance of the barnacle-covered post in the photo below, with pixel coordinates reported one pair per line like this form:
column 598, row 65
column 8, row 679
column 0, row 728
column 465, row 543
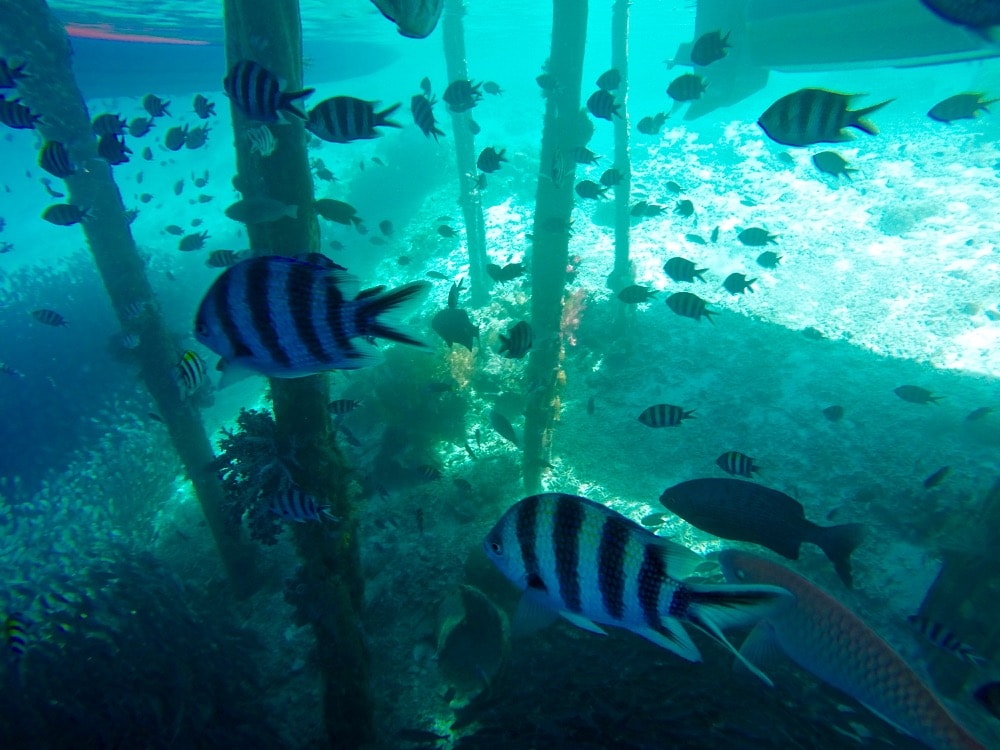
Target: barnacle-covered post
column 30, row 33
column 269, row 32
column 553, row 207
column 623, row 274
column 465, row 155
column 967, row 586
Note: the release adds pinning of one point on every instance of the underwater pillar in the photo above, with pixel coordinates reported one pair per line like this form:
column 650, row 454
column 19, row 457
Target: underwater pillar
column 622, row 275
column 566, row 127
column 29, row 32
column 964, row 595
column 270, row 33
column 453, row 32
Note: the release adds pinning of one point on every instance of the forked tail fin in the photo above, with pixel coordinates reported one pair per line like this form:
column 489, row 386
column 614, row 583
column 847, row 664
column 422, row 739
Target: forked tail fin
column 716, row 607
column 371, row 308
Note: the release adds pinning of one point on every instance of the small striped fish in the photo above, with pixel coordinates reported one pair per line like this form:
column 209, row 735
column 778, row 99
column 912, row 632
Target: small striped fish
column 287, row 319
column 256, row 92
column 576, row 558
column 54, row 159
column 944, row 639
column 262, row 141
column 15, row 115
column 602, row 104
column 823, row 636
column 664, row 415
column 342, row 119
column 517, row 342
column 737, row 464
column 341, row 406
column 422, row 108
column 14, row 635
column 50, row 318
column 689, row 305
column 292, row 504
column 190, row 372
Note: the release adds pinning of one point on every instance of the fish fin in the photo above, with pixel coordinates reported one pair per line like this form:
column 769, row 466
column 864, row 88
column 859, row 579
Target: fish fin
column 673, row 637
column 233, row 371
column 890, row 722
column 533, row 613
column 680, row 562
column 286, row 99
column 760, row 648
column 837, row 543
column 381, row 118
column 715, row 607
column 584, row 623
column 372, row 307
column 860, row 123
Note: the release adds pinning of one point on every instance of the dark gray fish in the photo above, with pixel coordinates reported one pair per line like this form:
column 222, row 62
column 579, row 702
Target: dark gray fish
column 49, row 318
column 695, row 238
column 385, row 227
column 916, row 395
column 65, row 214
column 809, row 116
column 338, row 212
column 749, row 512
column 175, row 138
column 517, row 342
column 757, row 237
column 685, row 208
column 547, row 82
column 609, row 80
column 108, row 124
column 196, row 137
column 179, row 186
column 155, row 106
column 714, row 237
column 139, row 126
column 654, row 520
column 583, row 155
column 414, row 19
column 977, row 414
column 503, row 427
column 342, row 119
column 736, row 463
column 203, row 107
column 601, row 104
column 960, row 107
column 945, row 639
column 768, row 259
column 634, row 294
column 508, row 272
column 445, row 231
column 54, row 159
column 225, row 258
column 834, row 413
column 686, row 88
column 341, row 406
column 689, row 305
column 490, row 159
column 709, row 47
column 194, row 241
column 611, row 177
column 738, row 283
column 422, row 109
column 590, row 190
column 977, row 15
column 462, row 95
column 293, row 504
column 256, row 92
column 453, row 325
column 113, row 150
column 174, row 230
column 664, row 415
column 285, row 318
column 832, row 163
column 681, row 269
column 263, row 210
column 937, row 477
column 651, row 124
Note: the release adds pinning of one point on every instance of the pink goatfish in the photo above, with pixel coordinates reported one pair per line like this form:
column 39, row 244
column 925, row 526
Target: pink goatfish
column 822, row 635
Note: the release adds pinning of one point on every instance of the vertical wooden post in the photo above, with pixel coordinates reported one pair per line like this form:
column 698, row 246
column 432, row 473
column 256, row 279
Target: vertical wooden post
column 32, row 34
column 623, row 274
column 553, row 208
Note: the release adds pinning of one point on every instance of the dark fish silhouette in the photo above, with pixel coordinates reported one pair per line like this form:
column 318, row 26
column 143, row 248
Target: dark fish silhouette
column 916, row 395
column 749, row 512
column 503, row 427
column 810, row 116
column 832, row 163
column 517, row 342
column 709, row 47
column 959, row 107
column 453, row 324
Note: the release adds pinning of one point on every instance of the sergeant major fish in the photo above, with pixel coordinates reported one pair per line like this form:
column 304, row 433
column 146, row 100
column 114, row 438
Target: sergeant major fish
column 809, row 116
column 946, row 640
column 576, row 558
column 823, row 636
column 342, row 119
column 256, row 92
column 287, row 319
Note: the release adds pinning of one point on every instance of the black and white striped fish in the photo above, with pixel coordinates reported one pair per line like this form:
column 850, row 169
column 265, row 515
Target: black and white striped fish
column 190, row 372
column 578, row 559
column 342, row 119
column 689, row 305
column 422, row 108
column 517, row 342
column 15, row 115
column 292, row 504
column 287, row 319
column 54, row 159
column 945, row 639
column 341, row 406
column 664, row 415
column 225, row 258
column 256, row 92
column 809, row 116
column 737, row 464
column 49, row 318
column 109, row 124
column 113, row 150
column 602, row 104
column 203, row 107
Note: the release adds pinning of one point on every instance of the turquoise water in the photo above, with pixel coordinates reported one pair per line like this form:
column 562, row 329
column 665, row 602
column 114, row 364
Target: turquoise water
column 888, row 277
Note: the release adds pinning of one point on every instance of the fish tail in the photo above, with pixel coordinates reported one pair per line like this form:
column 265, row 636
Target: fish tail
column 381, row 118
column 837, row 543
column 865, row 125
column 285, row 102
column 371, row 308
column 716, row 607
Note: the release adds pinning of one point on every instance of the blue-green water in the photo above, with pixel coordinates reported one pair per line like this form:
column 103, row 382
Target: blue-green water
column 888, row 277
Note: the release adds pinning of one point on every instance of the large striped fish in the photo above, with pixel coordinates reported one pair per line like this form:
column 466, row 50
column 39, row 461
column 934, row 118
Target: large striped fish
column 809, row 116
column 286, row 318
column 576, row 558
column 822, row 635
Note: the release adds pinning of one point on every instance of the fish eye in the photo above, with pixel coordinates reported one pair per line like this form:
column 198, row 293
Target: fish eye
column 495, row 547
